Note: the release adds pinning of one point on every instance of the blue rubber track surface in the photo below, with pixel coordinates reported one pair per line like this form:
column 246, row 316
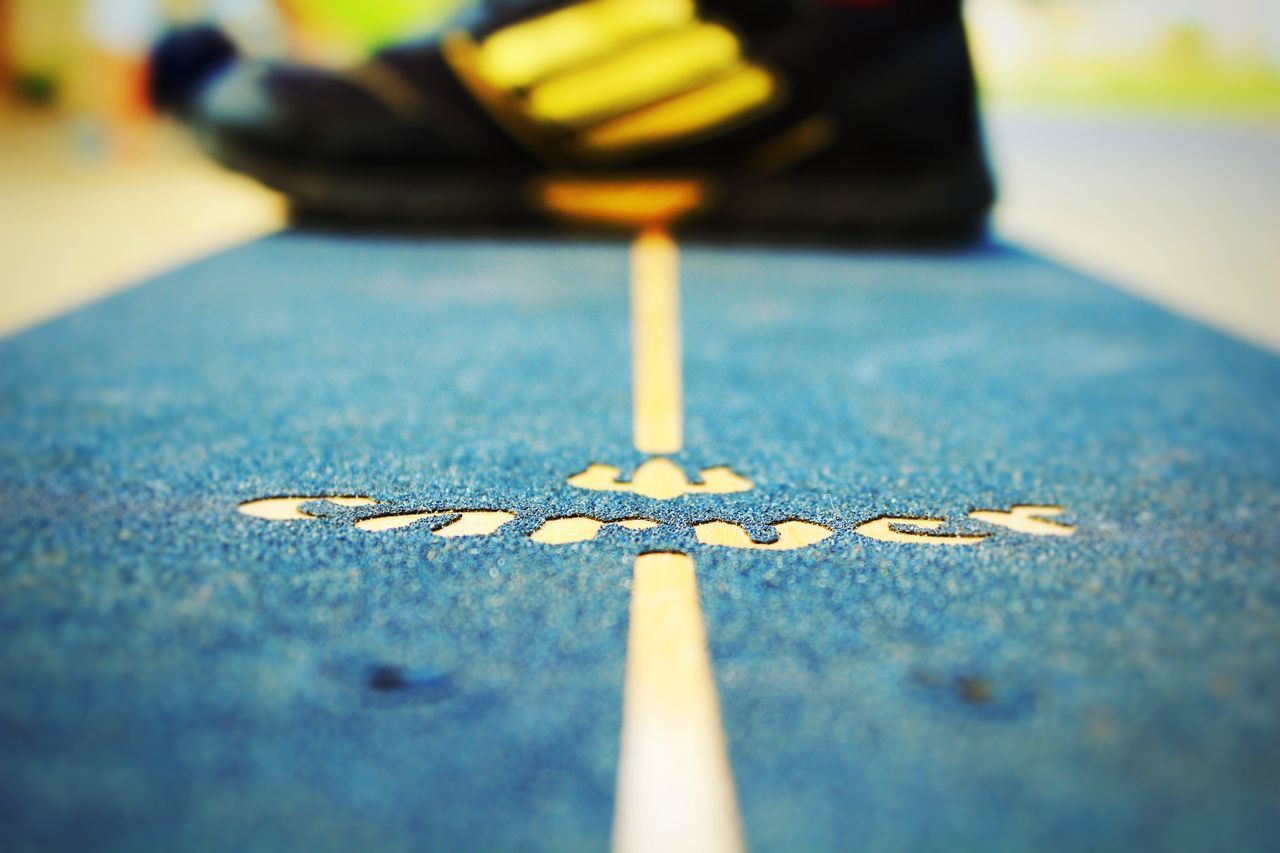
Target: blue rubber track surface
column 177, row 675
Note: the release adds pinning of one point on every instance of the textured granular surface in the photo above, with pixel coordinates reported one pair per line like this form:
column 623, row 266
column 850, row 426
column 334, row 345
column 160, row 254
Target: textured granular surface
column 178, row 675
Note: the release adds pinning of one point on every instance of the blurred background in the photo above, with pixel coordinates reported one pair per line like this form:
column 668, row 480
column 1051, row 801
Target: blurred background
column 1136, row 139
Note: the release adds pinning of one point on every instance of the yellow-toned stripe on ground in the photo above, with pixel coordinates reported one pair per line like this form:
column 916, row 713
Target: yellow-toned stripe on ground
column 656, row 384
column 675, row 788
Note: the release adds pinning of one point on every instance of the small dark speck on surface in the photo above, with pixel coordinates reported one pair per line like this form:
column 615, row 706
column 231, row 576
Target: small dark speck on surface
column 980, row 696
column 976, row 691
column 393, row 679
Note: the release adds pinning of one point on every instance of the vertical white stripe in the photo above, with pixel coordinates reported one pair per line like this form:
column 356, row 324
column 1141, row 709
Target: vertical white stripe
column 675, row 789
column 657, row 393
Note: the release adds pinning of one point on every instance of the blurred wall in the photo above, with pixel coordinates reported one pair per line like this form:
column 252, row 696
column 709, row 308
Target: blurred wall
column 1165, row 54
column 1162, row 54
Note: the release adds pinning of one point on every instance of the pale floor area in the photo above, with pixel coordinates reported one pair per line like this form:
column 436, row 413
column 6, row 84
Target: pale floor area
column 77, row 224
column 1182, row 213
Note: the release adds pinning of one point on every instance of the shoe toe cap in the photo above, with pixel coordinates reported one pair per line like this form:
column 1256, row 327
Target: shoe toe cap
column 182, row 62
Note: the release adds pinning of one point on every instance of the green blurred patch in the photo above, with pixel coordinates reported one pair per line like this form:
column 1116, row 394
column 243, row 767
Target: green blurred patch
column 1182, row 73
column 370, row 25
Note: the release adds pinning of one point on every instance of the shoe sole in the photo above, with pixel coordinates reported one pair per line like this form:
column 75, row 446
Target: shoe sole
column 947, row 203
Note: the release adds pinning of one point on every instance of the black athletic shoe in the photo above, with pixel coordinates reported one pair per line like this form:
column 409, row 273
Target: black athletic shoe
column 855, row 117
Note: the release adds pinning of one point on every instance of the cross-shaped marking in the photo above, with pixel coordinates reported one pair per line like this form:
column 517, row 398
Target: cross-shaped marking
column 675, row 789
column 674, row 786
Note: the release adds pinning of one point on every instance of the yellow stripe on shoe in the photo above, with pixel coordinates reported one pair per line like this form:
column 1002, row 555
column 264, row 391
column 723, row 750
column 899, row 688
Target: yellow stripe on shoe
column 604, row 79
column 654, row 69
column 632, row 203
column 748, row 91
column 524, row 53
